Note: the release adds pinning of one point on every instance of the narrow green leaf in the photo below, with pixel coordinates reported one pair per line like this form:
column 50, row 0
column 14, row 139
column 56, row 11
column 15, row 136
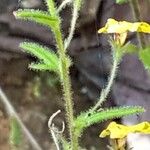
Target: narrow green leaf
column 86, row 119
column 15, row 132
column 47, row 58
column 144, row 56
column 40, row 17
column 51, row 7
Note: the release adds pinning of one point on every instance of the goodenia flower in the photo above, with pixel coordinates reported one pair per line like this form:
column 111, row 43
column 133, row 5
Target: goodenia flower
column 113, row 26
column 121, row 28
column 118, row 131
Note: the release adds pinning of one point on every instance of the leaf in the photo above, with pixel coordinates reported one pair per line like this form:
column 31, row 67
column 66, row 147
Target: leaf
column 15, row 132
column 121, row 1
column 144, row 56
column 86, row 119
column 51, row 7
column 47, row 58
column 40, row 17
column 42, row 67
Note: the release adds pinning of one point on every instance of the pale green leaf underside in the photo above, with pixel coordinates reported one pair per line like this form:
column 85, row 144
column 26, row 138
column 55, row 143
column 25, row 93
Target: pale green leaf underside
column 85, row 119
column 144, row 56
column 42, row 67
column 37, row 16
column 48, row 60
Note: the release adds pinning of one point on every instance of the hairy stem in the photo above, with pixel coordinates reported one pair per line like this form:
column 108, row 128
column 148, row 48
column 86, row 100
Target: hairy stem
column 66, row 83
column 137, row 17
column 76, row 8
column 63, row 5
column 64, row 71
column 105, row 92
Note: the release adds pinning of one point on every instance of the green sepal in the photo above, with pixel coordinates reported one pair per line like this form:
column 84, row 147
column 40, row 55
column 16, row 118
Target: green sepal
column 120, row 50
column 48, row 60
column 144, row 55
column 86, row 119
column 37, row 16
column 129, row 48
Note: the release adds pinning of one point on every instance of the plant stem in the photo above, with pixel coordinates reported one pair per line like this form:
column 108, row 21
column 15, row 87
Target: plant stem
column 105, row 92
column 137, row 17
column 76, row 8
column 66, row 83
column 64, row 72
column 63, row 5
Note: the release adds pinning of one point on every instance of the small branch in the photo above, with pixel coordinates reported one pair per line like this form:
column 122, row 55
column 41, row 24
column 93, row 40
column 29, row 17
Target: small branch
column 76, row 8
column 63, row 5
column 12, row 112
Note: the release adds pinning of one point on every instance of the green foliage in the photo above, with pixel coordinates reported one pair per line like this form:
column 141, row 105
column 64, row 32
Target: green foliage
column 51, row 7
column 87, row 119
column 144, row 56
column 15, row 136
column 40, row 17
column 48, row 60
column 121, row 1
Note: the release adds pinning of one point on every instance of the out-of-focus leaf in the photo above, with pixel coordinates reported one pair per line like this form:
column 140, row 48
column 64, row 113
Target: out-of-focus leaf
column 144, row 56
column 121, row 1
column 15, row 132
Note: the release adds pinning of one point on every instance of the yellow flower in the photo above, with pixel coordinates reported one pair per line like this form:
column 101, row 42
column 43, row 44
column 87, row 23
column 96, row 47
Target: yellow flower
column 117, row 131
column 120, row 29
column 113, row 26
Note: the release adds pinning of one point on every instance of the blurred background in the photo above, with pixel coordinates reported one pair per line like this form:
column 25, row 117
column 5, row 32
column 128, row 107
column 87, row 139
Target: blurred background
column 36, row 95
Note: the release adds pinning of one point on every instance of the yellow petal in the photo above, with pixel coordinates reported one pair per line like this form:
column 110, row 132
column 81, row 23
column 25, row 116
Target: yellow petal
column 117, row 131
column 144, row 27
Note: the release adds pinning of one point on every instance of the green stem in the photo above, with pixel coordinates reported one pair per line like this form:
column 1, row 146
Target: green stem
column 76, row 8
column 137, row 17
column 106, row 91
column 64, row 72
column 66, row 83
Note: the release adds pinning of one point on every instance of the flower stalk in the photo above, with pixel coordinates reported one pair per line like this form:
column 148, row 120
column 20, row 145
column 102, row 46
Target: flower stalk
column 105, row 92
